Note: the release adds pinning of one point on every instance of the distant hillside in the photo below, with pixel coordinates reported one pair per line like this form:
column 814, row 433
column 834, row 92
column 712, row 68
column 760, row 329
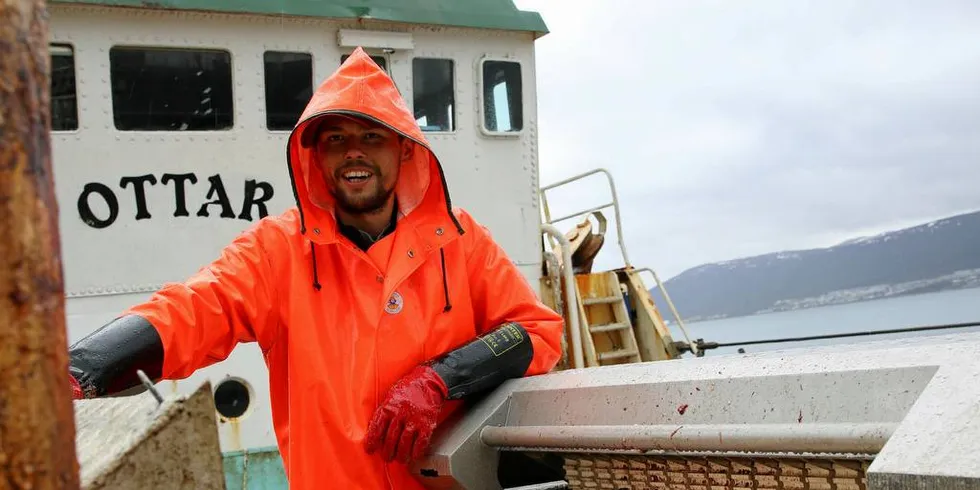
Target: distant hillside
column 940, row 255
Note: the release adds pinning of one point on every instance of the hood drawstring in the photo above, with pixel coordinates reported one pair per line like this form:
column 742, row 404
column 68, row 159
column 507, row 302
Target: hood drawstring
column 445, row 282
column 316, row 280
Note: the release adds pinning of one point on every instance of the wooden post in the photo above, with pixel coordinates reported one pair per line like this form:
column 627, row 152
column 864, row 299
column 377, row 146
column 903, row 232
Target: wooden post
column 37, row 424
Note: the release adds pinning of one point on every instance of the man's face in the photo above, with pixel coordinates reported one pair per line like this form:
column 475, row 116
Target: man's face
column 361, row 162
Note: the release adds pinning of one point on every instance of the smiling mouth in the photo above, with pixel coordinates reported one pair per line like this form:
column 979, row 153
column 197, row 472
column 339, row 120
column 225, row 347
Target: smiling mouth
column 356, row 176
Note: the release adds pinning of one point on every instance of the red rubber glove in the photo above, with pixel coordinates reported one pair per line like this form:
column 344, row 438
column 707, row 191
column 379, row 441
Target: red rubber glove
column 76, row 389
column 402, row 426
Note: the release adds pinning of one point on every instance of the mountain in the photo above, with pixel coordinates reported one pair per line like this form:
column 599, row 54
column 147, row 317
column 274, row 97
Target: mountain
column 943, row 254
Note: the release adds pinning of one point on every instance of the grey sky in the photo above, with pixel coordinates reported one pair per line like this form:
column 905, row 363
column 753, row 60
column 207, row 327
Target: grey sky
column 740, row 128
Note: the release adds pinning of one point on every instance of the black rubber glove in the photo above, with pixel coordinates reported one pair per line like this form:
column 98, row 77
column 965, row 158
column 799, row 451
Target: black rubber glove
column 485, row 362
column 105, row 362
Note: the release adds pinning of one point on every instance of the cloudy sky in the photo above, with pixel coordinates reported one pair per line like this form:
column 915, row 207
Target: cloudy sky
column 735, row 128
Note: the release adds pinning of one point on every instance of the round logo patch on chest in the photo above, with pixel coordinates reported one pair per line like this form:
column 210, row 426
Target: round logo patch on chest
column 395, row 303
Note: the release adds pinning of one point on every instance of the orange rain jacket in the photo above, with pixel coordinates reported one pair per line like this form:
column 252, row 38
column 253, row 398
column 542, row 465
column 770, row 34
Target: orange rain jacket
column 338, row 326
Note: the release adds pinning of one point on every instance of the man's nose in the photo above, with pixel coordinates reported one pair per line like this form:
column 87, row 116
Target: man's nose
column 354, row 153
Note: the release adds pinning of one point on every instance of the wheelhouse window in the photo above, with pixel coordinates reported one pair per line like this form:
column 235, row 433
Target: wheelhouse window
column 288, row 88
column 434, row 94
column 64, row 100
column 503, row 109
column 161, row 89
column 380, row 60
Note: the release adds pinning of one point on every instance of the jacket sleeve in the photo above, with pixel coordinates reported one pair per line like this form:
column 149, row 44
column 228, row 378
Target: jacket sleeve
column 502, row 295
column 232, row 300
column 185, row 326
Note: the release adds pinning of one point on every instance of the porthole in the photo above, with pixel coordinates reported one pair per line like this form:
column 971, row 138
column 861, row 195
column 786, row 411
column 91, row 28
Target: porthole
column 232, row 398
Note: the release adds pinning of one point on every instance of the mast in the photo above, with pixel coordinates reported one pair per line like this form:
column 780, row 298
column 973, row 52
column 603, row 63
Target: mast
column 37, row 426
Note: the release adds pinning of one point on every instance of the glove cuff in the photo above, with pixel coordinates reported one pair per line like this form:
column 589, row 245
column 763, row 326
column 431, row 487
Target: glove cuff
column 432, row 379
column 485, row 362
column 105, row 362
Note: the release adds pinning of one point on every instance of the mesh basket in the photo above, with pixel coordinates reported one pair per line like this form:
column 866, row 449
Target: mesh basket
column 714, row 472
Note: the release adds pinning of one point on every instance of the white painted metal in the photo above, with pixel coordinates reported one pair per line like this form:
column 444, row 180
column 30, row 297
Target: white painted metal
column 352, row 38
column 494, row 177
column 923, row 390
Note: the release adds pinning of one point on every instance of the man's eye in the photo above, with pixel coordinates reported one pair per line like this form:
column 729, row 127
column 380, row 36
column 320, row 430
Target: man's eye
column 372, row 136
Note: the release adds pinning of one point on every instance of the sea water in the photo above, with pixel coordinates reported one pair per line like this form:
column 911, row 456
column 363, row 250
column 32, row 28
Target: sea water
column 955, row 306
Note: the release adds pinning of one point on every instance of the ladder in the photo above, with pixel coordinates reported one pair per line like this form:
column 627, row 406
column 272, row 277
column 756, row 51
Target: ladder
column 608, row 336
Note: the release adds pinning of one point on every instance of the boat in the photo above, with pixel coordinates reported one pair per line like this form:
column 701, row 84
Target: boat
column 169, row 120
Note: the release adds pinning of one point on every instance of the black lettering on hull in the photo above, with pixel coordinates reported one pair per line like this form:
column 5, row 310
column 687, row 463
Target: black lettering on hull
column 217, row 187
column 180, row 199
column 256, row 197
column 250, row 200
column 85, row 211
column 140, row 192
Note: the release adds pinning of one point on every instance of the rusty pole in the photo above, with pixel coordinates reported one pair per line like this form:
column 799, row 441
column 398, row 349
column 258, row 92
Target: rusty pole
column 37, row 424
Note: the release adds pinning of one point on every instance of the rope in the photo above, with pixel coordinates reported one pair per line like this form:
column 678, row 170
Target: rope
column 715, row 345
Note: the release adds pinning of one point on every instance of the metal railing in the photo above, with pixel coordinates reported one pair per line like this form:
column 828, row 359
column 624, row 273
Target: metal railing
column 614, row 204
column 845, row 437
column 695, row 349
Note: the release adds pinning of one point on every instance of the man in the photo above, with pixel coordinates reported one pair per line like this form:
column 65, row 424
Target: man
column 377, row 305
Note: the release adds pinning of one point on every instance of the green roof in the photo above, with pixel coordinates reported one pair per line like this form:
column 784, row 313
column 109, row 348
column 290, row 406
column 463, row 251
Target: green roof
column 491, row 14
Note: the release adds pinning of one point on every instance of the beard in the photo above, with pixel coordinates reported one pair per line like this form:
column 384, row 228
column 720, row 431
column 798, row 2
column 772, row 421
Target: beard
column 363, row 204
column 370, row 200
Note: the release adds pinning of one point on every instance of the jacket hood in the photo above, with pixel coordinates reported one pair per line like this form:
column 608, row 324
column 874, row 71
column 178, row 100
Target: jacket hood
column 360, row 88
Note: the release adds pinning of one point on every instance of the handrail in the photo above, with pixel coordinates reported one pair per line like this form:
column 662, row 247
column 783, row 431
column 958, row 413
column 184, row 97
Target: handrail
column 845, row 437
column 578, row 359
column 555, row 485
column 614, row 204
column 677, row 316
column 552, row 268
